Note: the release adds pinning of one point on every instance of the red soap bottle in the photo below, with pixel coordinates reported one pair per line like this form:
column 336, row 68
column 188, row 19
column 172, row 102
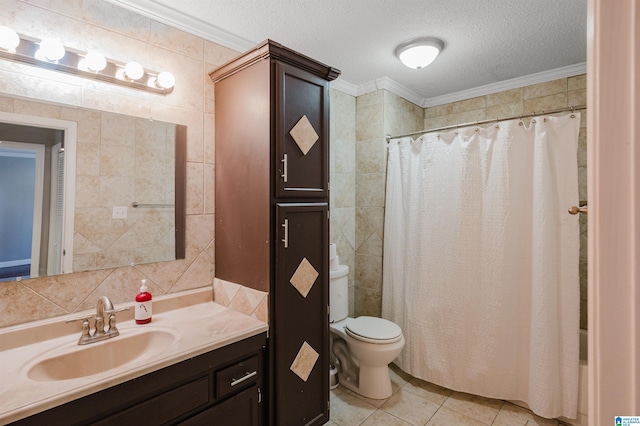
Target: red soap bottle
column 143, row 305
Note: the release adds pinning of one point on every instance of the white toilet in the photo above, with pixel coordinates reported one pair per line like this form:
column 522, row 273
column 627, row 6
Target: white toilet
column 364, row 345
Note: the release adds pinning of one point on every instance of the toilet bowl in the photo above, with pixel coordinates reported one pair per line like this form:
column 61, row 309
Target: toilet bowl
column 364, row 346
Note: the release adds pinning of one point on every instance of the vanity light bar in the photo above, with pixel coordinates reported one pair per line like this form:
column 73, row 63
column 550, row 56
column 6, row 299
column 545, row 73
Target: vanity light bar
column 79, row 63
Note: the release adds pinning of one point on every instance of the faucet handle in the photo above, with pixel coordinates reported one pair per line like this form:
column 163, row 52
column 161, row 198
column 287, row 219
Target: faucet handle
column 113, row 330
column 85, row 337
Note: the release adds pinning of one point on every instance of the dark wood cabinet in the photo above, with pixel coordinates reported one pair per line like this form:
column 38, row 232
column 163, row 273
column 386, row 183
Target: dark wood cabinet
column 272, row 193
column 219, row 385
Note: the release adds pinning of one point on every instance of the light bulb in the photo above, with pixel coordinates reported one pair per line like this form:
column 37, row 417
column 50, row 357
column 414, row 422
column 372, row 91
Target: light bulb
column 165, row 80
column 133, row 71
column 9, row 39
column 51, row 50
column 95, row 61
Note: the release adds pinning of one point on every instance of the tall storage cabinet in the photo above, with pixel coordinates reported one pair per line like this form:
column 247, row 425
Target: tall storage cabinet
column 272, row 200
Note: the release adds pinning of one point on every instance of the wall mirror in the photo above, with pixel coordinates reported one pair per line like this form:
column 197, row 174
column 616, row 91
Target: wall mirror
column 97, row 190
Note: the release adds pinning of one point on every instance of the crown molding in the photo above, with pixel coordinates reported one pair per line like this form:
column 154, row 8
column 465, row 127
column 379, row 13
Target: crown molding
column 385, row 83
column 345, row 87
column 501, row 86
column 175, row 18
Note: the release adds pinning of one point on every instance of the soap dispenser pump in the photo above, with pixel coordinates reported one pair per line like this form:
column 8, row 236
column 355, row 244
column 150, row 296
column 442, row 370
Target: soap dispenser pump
column 143, row 305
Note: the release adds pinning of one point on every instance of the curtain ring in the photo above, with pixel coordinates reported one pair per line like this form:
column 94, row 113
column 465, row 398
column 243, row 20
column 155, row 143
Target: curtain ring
column 477, row 126
column 521, row 123
column 497, row 125
column 572, row 112
column 457, row 129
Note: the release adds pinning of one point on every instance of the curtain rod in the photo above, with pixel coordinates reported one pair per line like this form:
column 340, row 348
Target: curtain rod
column 495, row 120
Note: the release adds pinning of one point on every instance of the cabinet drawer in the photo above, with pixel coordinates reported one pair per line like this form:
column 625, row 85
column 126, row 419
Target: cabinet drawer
column 165, row 407
column 237, row 376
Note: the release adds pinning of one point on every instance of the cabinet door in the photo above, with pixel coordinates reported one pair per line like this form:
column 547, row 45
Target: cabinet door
column 302, row 133
column 241, row 410
column 301, row 327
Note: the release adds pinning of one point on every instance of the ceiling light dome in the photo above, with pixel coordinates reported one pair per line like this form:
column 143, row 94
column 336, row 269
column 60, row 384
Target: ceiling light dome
column 419, row 52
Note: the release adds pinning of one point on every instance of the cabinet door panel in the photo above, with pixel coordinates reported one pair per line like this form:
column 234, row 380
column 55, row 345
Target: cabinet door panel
column 302, row 103
column 300, row 315
column 241, row 410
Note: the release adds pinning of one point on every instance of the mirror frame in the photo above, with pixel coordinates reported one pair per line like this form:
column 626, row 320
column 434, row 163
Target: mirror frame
column 181, row 196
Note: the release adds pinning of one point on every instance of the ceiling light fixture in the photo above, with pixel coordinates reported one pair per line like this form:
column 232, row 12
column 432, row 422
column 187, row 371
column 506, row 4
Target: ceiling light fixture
column 53, row 55
column 419, row 52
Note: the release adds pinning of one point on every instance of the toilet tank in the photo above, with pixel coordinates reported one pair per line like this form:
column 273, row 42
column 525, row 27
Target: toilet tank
column 338, row 293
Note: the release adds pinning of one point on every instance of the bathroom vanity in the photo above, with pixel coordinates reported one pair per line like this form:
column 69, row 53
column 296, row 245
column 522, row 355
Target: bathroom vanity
column 224, row 385
column 196, row 361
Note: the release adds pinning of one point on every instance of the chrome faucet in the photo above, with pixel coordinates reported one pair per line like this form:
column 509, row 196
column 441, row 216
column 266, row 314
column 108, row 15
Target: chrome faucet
column 103, row 307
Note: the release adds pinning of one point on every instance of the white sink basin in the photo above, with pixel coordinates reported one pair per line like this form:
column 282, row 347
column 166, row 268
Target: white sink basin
column 74, row 361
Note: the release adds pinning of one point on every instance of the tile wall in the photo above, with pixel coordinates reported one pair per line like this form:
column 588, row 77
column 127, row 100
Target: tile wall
column 121, row 35
column 342, row 175
column 377, row 114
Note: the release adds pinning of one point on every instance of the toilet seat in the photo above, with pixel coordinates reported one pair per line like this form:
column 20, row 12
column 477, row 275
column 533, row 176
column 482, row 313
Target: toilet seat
column 373, row 330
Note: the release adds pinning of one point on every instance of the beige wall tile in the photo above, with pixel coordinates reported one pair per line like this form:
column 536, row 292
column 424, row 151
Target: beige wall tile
column 370, row 189
column 505, row 97
column 369, row 122
column 545, row 89
column 216, row 55
column 178, row 41
column 469, row 105
column 343, row 188
column 20, row 304
column 373, row 98
column 577, row 97
column 559, row 100
column 367, row 302
column 103, row 13
column 209, row 189
column 371, row 156
column 505, row 110
column 577, row 82
column 368, row 274
column 195, row 188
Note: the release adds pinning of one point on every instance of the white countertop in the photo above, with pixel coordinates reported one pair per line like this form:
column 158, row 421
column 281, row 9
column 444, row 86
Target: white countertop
column 200, row 325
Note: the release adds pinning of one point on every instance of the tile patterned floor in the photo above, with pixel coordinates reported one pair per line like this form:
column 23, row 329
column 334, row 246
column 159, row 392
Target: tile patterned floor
column 419, row 403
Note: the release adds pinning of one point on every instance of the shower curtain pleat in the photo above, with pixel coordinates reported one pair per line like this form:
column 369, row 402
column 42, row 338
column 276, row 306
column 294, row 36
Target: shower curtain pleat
column 481, row 260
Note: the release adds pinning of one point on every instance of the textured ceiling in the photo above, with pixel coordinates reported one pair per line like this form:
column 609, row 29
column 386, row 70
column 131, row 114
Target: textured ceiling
column 486, row 41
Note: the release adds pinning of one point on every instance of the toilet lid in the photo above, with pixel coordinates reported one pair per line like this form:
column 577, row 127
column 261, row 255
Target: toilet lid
column 373, row 330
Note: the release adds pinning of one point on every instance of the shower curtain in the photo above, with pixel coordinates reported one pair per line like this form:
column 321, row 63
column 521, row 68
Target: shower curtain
column 480, row 262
